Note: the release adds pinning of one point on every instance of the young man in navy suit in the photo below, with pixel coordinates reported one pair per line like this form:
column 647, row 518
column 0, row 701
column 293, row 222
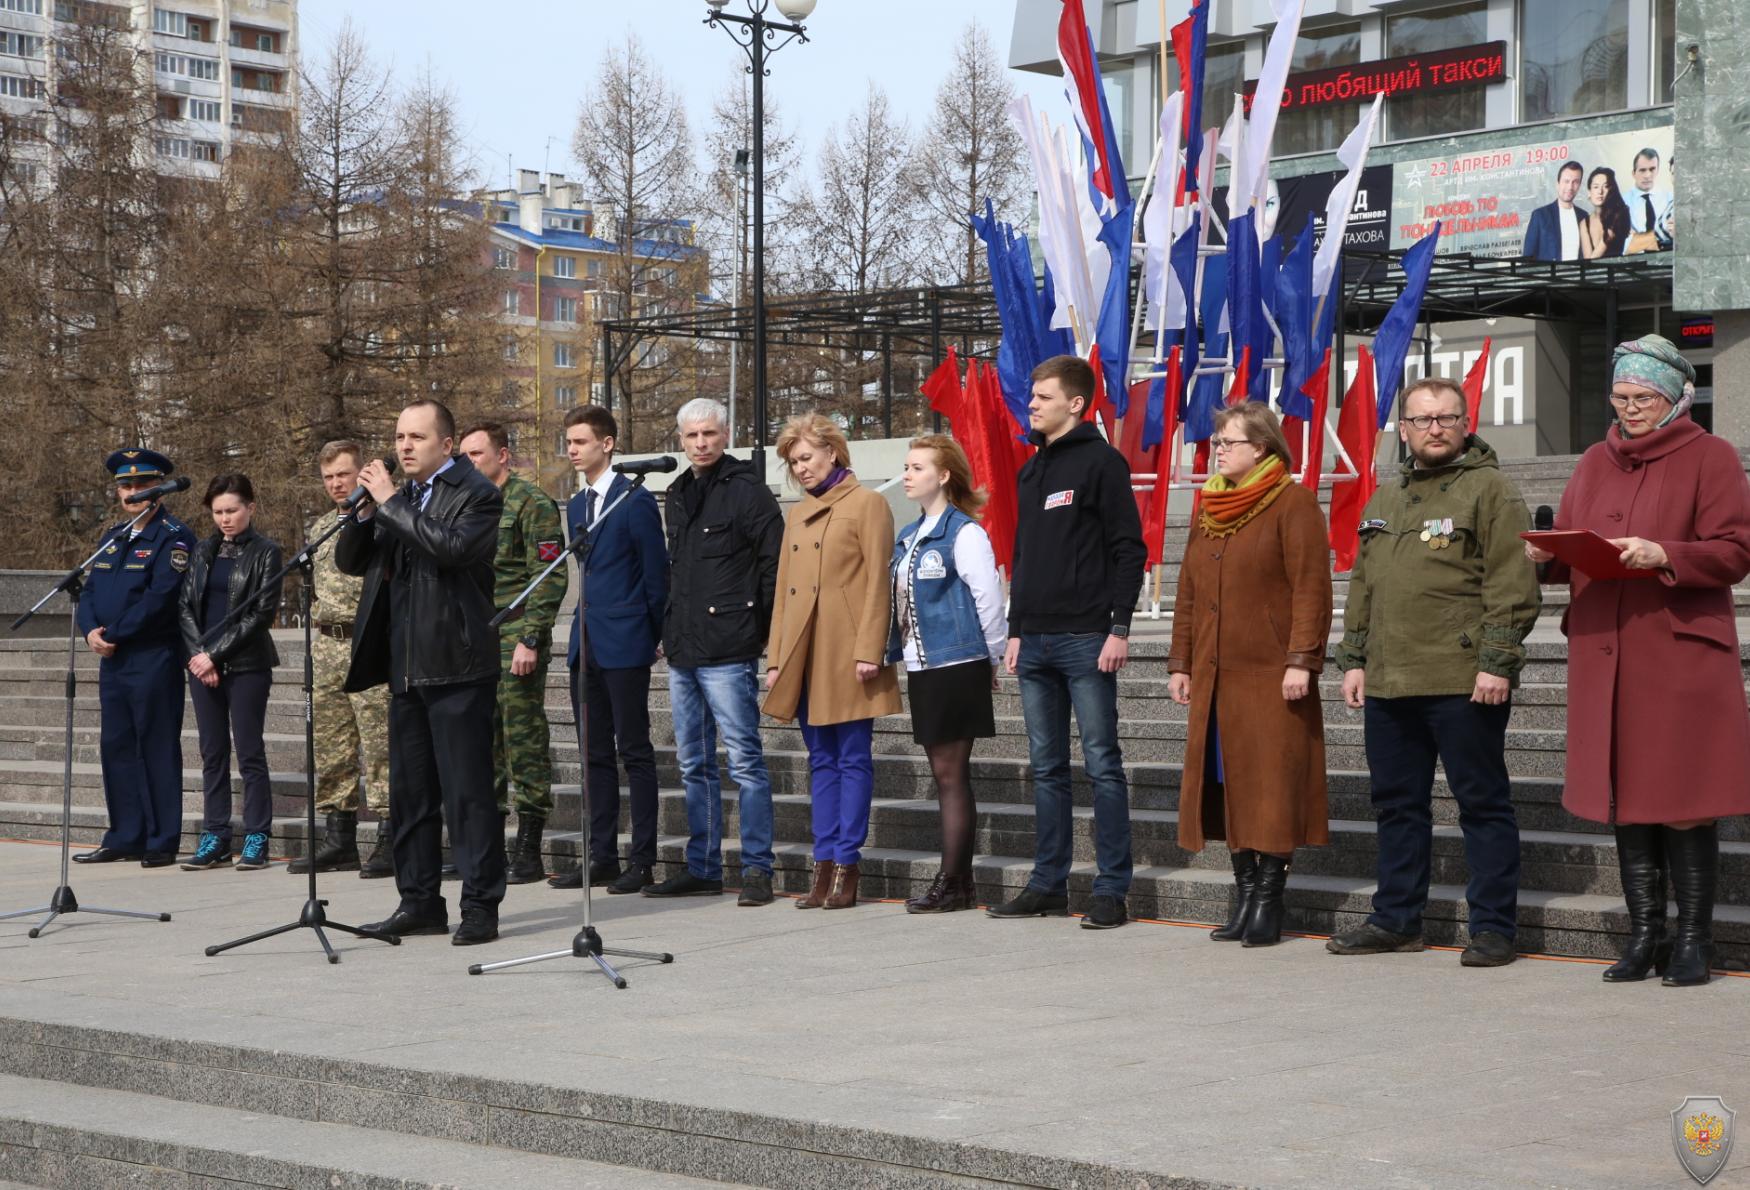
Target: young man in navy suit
column 613, row 645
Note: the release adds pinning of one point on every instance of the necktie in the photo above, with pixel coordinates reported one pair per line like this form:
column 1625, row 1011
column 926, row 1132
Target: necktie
column 1652, row 220
column 589, row 498
column 421, row 489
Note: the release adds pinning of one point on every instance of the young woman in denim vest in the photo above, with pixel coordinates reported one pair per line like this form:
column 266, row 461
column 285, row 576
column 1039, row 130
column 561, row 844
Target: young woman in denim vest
column 950, row 630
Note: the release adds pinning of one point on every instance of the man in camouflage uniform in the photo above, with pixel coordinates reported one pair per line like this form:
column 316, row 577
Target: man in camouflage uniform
column 348, row 726
column 529, row 539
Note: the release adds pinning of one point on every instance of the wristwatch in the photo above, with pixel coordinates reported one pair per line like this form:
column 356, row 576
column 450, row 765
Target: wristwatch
column 1121, row 631
column 530, row 641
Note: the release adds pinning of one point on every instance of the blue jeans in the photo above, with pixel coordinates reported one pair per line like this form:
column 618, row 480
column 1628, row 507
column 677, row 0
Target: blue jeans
column 702, row 698
column 1404, row 738
column 1058, row 671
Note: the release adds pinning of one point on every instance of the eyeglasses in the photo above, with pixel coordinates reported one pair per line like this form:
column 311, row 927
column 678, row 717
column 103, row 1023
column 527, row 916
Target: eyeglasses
column 1228, row 443
column 1427, row 421
column 1622, row 402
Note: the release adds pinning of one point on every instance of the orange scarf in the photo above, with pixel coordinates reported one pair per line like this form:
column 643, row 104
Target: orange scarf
column 1226, row 506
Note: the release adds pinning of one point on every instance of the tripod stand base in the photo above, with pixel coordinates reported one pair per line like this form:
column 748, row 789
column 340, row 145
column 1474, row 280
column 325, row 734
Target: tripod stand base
column 587, row 945
column 314, row 917
column 64, row 903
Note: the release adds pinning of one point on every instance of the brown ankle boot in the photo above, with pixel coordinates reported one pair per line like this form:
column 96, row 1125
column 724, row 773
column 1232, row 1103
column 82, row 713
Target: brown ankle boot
column 823, row 872
column 844, row 887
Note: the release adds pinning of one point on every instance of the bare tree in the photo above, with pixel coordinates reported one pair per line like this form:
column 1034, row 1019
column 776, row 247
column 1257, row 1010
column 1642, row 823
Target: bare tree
column 862, row 220
column 635, row 147
column 970, row 152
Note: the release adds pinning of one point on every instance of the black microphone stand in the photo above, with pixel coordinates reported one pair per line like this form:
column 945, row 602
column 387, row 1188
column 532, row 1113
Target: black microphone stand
column 63, row 901
column 588, row 942
column 314, row 915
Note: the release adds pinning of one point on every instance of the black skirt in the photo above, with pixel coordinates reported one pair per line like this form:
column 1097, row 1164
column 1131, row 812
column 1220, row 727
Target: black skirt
column 951, row 703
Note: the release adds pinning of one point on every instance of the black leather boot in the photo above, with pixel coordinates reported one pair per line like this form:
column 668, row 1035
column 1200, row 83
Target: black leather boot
column 1245, row 883
column 526, row 864
column 1264, row 922
column 1693, row 858
column 1640, row 853
column 381, row 864
column 339, row 851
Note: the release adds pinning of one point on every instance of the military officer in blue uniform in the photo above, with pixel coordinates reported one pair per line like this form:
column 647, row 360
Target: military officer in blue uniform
column 128, row 615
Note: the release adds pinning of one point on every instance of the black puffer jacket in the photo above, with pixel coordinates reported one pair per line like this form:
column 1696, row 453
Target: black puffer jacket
column 425, row 613
column 247, row 645
column 724, row 535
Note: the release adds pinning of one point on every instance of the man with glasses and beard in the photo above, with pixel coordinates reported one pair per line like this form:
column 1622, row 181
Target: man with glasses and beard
column 1440, row 601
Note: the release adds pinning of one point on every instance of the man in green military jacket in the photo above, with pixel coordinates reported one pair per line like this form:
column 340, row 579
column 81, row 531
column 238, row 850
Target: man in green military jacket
column 1441, row 599
column 529, row 539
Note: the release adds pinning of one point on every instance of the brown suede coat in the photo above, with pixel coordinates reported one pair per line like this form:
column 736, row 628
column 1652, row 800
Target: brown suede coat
column 1249, row 606
column 832, row 608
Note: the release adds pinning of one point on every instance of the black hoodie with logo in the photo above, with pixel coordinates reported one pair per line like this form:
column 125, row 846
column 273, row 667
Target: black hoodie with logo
column 1079, row 555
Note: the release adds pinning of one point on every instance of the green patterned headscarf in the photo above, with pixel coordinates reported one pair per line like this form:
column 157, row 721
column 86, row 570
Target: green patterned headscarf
column 1654, row 362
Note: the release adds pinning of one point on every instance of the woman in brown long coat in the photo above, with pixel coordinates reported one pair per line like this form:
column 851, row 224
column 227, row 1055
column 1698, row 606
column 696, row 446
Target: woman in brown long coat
column 1658, row 729
column 828, row 640
column 1249, row 631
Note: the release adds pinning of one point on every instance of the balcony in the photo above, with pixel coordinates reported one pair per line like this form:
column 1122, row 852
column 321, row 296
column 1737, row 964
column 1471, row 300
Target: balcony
column 251, row 57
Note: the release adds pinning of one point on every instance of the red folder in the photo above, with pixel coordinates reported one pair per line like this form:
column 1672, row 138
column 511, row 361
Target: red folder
column 1590, row 554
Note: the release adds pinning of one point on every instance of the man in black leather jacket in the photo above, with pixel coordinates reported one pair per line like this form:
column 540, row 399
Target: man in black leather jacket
column 425, row 549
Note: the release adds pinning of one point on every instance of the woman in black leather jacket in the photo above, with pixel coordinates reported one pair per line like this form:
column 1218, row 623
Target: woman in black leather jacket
column 229, row 678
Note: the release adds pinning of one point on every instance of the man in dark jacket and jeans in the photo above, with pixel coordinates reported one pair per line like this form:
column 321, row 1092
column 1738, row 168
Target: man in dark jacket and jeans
column 1079, row 559
column 724, row 534
column 424, row 549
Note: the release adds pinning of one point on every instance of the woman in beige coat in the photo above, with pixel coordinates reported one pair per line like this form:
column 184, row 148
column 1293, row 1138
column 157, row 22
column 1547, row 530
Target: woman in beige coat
column 829, row 635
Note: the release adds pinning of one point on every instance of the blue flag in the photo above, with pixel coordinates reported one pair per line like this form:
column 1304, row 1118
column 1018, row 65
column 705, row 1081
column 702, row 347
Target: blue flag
column 1392, row 341
column 1112, row 329
column 1294, row 316
column 1206, row 394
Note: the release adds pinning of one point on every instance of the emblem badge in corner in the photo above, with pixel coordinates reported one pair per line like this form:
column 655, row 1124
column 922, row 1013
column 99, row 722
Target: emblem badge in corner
column 1701, row 1133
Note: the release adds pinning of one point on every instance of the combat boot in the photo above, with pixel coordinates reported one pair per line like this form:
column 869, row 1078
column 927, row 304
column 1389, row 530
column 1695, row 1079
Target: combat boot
column 526, row 864
column 339, row 851
column 381, row 863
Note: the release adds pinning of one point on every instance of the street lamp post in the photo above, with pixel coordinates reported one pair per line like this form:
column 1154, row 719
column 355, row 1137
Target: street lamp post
column 758, row 37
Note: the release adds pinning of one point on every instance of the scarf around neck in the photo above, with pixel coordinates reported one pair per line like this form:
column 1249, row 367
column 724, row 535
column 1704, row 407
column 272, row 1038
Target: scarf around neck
column 830, row 482
column 1226, row 505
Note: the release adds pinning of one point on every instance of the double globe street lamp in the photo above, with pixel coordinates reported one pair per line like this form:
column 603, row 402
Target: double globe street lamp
column 759, row 37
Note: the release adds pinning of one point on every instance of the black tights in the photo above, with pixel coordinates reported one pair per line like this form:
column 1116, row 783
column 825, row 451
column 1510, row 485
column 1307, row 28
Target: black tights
column 951, row 762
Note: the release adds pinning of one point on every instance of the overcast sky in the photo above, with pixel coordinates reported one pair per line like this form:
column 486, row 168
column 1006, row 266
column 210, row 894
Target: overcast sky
column 519, row 67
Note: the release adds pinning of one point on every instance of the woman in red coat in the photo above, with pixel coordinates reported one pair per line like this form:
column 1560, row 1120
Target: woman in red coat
column 1658, row 730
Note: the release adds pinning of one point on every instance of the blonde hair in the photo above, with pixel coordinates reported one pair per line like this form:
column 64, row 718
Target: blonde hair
column 817, row 430
column 952, row 459
column 1261, row 427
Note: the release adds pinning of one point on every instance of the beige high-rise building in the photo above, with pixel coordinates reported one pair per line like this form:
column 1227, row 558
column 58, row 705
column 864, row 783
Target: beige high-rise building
column 224, row 70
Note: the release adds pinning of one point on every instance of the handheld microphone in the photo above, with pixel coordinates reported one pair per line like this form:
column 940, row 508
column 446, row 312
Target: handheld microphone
column 646, row 466
column 167, row 488
column 359, row 494
column 1544, row 519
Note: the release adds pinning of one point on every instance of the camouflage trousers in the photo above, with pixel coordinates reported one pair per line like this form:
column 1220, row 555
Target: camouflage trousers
column 352, row 734
column 521, row 754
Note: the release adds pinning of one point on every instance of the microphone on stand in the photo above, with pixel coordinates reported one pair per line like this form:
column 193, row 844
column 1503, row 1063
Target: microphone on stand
column 359, row 494
column 167, row 488
column 646, row 466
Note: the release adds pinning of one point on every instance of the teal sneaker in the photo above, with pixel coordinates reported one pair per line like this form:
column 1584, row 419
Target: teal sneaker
column 254, row 852
column 213, row 852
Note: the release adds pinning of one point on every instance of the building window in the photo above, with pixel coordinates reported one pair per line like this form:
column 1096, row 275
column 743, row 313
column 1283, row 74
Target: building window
column 173, row 23
column 30, row 7
column 21, row 45
column 565, row 396
column 254, row 80
column 254, row 39
column 203, row 150
column 1435, row 113
column 203, row 68
column 562, row 355
column 1573, row 58
column 173, row 146
column 207, row 110
column 197, row 31
column 1224, row 72
column 510, row 349
column 511, row 298
column 565, row 309
column 1319, row 129
column 504, row 258
column 565, row 266
column 565, row 222
column 14, row 86
column 1664, row 49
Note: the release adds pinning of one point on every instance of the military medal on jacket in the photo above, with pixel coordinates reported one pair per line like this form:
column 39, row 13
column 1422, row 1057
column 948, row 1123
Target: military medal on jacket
column 1437, row 532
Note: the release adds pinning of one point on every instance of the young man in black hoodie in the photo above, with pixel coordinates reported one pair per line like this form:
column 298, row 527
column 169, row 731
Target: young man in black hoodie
column 1079, row 560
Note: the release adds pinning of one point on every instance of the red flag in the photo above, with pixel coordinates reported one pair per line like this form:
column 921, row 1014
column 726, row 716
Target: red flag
column 1318, row 387
column 997, row 435
column 1358, row 431
column 1154, row 525
column 1473, row 386
column 943, row 387
column 1199, row 466
column 1098, row 406
column 1242, row 381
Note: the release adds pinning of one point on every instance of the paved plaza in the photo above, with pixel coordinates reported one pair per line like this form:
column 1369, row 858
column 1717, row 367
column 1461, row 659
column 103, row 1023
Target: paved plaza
column 856, row 1048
